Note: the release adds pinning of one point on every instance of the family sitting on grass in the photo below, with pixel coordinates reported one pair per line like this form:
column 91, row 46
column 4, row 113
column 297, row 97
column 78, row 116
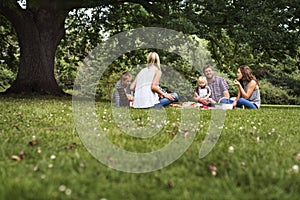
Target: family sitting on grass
column 210, row 90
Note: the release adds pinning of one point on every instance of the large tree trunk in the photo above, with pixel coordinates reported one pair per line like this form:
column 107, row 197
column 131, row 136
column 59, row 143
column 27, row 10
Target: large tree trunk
column 40, row 28
column 39, row 34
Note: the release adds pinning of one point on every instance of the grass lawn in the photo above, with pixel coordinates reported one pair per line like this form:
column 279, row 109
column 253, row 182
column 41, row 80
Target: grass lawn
column 256, row 156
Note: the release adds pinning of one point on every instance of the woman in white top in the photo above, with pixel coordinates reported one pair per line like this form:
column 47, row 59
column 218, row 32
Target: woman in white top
column 146, row 86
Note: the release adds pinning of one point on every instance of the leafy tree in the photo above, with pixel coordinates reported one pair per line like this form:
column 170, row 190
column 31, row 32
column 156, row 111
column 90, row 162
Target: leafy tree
column 9, row 54
column 260, row 33
column 39, row 25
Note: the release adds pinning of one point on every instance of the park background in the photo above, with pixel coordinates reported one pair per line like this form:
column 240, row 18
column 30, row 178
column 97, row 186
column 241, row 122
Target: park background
column 43, row 44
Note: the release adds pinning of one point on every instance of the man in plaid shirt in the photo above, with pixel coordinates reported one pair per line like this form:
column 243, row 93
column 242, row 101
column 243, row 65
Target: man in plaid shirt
column 219, row 87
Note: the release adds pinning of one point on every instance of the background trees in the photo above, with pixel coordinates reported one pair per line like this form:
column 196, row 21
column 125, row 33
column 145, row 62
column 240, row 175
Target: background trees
column 260, row 33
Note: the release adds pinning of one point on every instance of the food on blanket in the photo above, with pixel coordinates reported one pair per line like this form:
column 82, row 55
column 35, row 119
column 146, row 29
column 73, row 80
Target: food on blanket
column 174, row 105
column 188, row 104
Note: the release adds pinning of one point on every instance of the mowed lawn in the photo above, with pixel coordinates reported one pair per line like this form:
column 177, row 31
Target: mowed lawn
column 42, row 157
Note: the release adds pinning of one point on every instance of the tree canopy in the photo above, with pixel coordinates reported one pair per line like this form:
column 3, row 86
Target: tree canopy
column 260, row 33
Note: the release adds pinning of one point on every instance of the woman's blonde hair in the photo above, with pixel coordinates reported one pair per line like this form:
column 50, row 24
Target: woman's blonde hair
column 202, row 79
column 153, row 59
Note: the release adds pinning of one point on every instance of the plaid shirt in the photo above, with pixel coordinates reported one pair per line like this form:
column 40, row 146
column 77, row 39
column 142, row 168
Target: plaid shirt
column 120, row 94
column 218, row 86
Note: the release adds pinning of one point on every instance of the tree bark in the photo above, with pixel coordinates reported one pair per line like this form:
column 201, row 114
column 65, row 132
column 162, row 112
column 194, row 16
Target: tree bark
column 40, row 28
column 39, row 33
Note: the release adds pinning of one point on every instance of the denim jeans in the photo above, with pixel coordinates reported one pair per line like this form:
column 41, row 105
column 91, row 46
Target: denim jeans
column 244, row 102
column 226, row 101
column 165, row 101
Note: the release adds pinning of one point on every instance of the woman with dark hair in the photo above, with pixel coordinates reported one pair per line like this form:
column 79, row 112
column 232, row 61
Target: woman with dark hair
column 248, row 89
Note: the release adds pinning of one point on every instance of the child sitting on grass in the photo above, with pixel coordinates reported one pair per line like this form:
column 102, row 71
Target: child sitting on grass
column 122, row 90
column 202, row 92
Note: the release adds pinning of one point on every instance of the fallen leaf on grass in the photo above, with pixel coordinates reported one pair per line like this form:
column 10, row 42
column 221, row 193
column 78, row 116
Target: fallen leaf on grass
column 15, row 157
column 21, row 156
column 213, row 169
column 170, row 184
column 33, row 141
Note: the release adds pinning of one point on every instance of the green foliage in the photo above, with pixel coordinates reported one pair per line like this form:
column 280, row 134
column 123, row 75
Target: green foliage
column 81, row 37
column 9, row 54
column 264, row 153
column 276, row 95
column 6, row 78
column 261, row 34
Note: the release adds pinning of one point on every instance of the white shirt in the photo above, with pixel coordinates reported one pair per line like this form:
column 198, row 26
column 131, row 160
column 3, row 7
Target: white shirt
column 144, row 97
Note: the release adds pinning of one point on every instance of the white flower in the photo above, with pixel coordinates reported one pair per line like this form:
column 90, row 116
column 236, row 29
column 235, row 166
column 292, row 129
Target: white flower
column 231, row 149
column 52, row 157
column 68, row 192
column 273, row 130
column 62, row 188
column 257, row 139
column 295, row 168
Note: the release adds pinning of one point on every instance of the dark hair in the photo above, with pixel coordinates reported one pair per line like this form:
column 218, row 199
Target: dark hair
column 126, row 75
column 247, row 74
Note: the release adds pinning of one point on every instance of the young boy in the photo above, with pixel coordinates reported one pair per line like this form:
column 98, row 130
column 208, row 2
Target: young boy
column 122, row 90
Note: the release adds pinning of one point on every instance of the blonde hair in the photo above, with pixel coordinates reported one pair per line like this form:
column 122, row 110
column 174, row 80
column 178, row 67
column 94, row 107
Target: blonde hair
column 202, row 79
column 153, row 59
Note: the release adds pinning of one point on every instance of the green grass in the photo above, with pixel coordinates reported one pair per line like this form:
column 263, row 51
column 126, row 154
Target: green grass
column 255, row 170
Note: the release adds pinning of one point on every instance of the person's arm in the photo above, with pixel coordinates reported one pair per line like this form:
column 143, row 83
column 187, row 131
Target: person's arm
column 209, row 92
column 251, row 86
column 226, row 94
column 155, row 86
column 225, row 88
column 237, row 98
column 133, row 84
column 196, row 96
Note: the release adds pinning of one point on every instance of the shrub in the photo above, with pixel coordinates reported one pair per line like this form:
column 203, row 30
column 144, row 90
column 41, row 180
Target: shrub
column 6, row 78
column 271, row 94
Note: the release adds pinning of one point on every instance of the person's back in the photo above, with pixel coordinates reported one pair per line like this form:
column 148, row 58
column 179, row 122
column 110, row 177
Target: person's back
column 144, row 97
column 148, row 94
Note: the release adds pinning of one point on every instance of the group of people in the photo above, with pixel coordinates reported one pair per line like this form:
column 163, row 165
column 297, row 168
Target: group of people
column 211, row 89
